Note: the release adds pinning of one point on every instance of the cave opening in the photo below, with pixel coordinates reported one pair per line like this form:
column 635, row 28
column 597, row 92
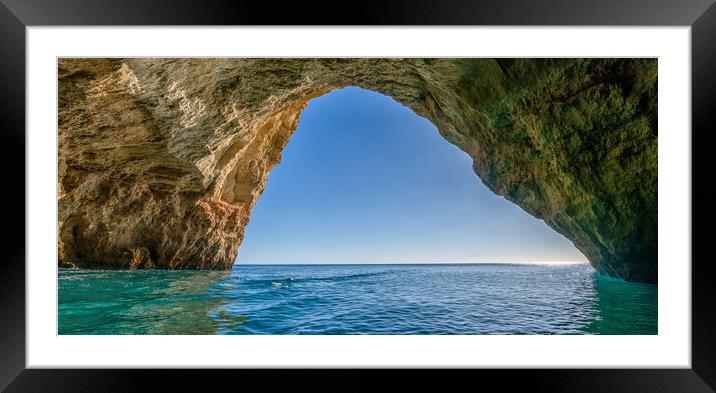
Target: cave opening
column 364, row 179
column 364, row 184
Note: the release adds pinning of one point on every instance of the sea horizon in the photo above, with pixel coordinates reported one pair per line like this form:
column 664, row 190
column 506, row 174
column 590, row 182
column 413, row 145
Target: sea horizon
column 554, row 263
column 412, row 263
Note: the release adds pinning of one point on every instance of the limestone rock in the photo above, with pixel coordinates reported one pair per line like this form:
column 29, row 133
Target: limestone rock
column 171, row 155
column 141, row 258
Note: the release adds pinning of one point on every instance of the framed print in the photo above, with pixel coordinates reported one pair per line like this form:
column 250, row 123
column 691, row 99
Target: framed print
column 475, row 185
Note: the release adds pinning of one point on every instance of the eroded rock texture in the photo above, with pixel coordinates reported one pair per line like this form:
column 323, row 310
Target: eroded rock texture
column 162, row 160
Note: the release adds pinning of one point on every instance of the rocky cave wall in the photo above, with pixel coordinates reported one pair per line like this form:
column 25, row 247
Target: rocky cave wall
column 162, row 160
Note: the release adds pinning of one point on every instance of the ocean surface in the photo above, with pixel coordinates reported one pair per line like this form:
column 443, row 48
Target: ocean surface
column 356, row 299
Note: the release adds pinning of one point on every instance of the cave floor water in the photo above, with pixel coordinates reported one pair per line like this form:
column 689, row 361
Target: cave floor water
column 356, row 299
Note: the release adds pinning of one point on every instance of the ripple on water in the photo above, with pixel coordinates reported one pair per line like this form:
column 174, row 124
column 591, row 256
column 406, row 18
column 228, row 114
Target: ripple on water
column 356, row 299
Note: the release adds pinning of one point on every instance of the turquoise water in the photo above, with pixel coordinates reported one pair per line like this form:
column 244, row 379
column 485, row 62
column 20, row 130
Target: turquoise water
column 356, row 299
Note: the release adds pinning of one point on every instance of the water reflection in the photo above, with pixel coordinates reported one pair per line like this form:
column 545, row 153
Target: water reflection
column 136, row 302
column 624, row 307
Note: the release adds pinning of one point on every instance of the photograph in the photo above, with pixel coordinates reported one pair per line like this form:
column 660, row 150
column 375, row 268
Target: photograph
column 230, row 192
column 357, row 196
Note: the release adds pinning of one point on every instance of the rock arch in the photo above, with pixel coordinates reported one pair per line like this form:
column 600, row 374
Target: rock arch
column 162, row 160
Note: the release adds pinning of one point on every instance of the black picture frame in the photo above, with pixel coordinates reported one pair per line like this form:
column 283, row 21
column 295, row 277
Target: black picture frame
column 700, row 15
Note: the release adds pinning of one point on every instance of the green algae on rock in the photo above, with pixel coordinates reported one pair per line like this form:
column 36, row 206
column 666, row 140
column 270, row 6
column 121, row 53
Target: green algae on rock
column 162, row 160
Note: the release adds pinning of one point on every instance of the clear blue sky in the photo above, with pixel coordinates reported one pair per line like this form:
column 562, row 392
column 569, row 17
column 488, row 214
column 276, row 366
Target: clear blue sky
column 366, row 180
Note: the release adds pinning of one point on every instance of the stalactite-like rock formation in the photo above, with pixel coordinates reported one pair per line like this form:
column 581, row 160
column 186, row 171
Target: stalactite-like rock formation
column 162, row 160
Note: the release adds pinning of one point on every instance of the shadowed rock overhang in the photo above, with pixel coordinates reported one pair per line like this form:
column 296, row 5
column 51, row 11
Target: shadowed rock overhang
column 162, row 160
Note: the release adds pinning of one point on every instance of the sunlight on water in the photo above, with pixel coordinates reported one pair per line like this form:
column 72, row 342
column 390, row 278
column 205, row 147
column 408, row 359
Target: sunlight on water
column 356, row 299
